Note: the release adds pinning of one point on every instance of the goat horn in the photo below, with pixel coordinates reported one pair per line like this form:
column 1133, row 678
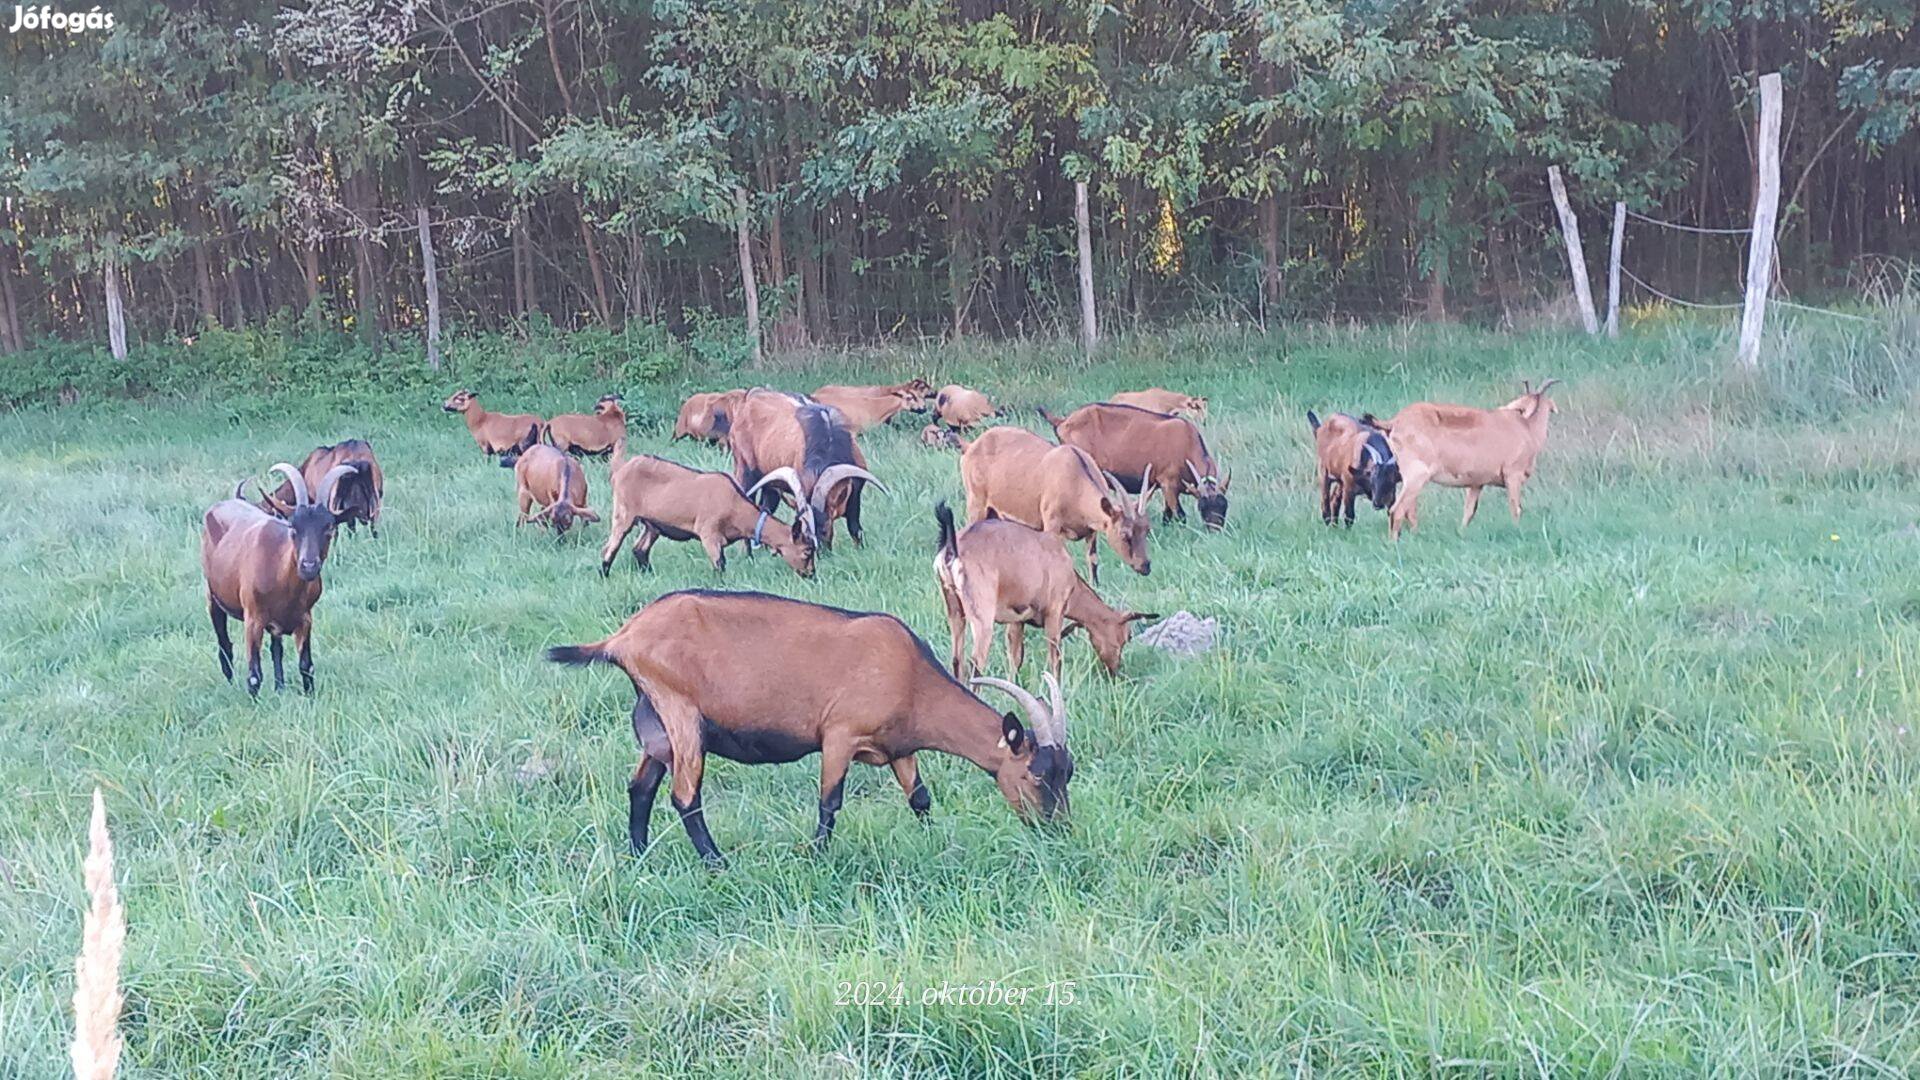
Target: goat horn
column 832, row 475
column 1544, row 385
column 1117, row 489
column 330, row 481
column 293, row 477
column 1059, row 703
column 782, row 475
column 1037, row 716
column 1195, row 472
column 1146, row 485
column 240, row 489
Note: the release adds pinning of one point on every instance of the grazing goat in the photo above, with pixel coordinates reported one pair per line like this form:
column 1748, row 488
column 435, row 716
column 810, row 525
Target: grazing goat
column 1354, row 456
column 870, row 406
column 826, row 472
column 1013, row 473
column 763, row 679
column 355, row 500
column 496, row 433
column 1460, row 446
column 579, row 433
column 670, row 500
column 960, row 408
column 707, row 417
column 553, row 481
column 1000, row 571
column 1168, row 402
column 1125, row 441
column 266, row 572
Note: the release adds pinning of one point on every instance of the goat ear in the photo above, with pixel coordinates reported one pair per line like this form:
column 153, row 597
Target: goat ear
column 1107, row 507
column 1011, row 732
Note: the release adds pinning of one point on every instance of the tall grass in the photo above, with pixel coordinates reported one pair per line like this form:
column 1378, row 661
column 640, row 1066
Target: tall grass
column 1629, row 786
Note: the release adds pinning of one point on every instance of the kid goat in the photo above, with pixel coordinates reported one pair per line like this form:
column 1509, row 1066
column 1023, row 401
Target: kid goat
column 763, row 679
column 496, row 433
column 1354, row 456
column 266, row 572
column 580, row 433
column 1000, row 571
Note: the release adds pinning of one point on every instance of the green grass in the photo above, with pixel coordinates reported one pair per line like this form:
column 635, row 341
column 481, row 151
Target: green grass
column 1629, row 786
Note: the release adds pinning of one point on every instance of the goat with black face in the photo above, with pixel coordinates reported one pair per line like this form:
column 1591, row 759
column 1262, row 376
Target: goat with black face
column 1355, row 457
column 763, row 679
column 265, row 571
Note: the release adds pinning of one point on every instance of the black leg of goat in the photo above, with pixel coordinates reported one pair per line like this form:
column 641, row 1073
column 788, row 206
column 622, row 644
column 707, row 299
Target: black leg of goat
column 640, row 792
column 220, row 638
column 279, row 665
column 303, row 640
column 833, row 789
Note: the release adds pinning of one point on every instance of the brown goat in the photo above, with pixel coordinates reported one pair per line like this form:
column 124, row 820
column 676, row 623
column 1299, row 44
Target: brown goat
column 1460, row 446
column 961, row 408
column 939, row 437
column 670, row 500
column 266, row 572
column 1126, row 441
column 870, row 406
column 357, row 499
column 1000, row 571
column 763, row 679
column 496, row 433
column 707, row 416
column 825, row 471
column 579, row 433
column 1168, row 402
column 1354, row 456
column 1013, row 473
column 553, row 481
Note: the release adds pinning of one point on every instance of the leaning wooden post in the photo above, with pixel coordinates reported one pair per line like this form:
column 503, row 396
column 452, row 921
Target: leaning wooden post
column 1576, row 259
column 1089, row 329
column 747, row 283
column 1613, row 269
column 430, row 278
column 1766, row 209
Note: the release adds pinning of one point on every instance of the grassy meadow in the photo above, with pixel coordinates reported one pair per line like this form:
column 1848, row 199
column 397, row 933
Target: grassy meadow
column 1629, row 788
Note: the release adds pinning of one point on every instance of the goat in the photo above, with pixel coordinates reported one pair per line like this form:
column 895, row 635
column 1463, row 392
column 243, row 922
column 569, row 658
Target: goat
column 552, row 480
column 580, row 433
column 961, row 408
column 1168, row 402
column 1001, row 571
column 870, row 406
column 763, row 679
column 937, row 437
column 707, row 417
column 1125, row 441
column 828, row 473
column 1013, row 473
column 1460, row 446
column 357, row 499
column 266, row 572
column 496, row 433
column 1354, row 456
column 670, row 500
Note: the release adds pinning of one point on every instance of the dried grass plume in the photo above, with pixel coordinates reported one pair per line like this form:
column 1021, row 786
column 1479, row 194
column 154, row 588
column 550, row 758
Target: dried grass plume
column 96, row 991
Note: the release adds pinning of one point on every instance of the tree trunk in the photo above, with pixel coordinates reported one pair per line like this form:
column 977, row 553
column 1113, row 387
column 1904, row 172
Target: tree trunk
column 959, row 268
column 1089, row 329
column 602, row 305
column 1270, row 285
column 203, row 264
column 10, row 301
column 747, row 284
column 1576, row 259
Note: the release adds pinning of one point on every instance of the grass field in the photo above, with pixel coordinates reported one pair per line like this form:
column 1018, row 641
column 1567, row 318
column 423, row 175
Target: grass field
column 1632, row 786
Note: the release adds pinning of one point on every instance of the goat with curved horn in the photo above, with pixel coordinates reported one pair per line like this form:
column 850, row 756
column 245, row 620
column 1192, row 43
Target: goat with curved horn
column 293, row 477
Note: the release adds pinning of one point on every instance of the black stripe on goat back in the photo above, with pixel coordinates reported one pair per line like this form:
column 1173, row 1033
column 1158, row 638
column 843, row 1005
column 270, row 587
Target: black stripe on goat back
column 826, row 443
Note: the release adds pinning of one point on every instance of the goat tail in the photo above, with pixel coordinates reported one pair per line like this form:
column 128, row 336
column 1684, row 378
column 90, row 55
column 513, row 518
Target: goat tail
column 1051, row 419
column 1313, row 422
column 949, row 537
column 581, row 655
column 534, row 431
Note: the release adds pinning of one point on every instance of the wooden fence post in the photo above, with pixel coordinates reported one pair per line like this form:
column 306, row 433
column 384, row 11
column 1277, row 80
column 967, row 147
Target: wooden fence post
column 1089, row 329
column 1576, row 259
column 430, row 277
column 116, row 311
column 1613, row 269
column 1766, row 209
column 747, row 283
